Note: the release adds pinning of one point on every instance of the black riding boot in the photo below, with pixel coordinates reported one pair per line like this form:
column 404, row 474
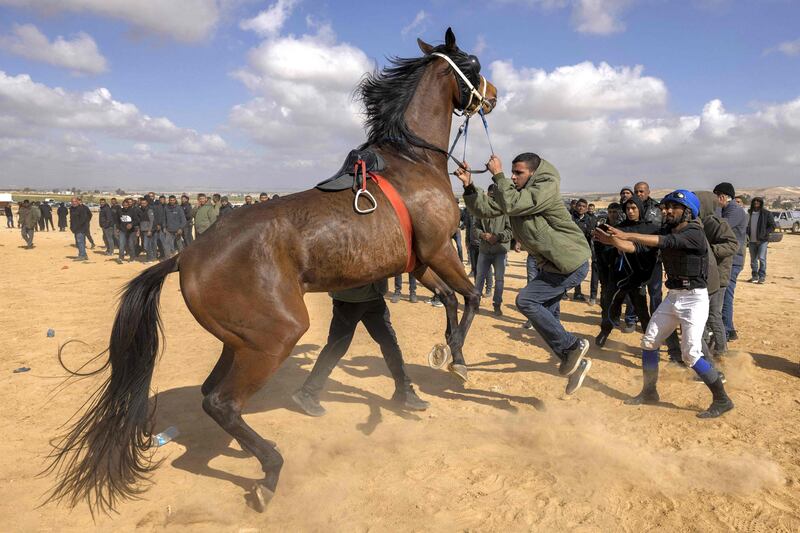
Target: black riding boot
column 404, row 394
column 720, row 403
column 649, row 394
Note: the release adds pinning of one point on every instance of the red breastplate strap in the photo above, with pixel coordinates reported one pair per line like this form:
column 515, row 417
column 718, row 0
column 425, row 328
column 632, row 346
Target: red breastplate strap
column 402, row 214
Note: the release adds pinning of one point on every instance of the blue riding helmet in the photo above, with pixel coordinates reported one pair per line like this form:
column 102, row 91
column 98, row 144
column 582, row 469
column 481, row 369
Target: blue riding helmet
column 685, row 198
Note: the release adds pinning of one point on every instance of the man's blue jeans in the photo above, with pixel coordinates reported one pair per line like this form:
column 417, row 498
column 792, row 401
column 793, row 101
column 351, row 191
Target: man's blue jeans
column 80, row 242
column 412, row 284
column 539, row 301
column 127, row 244
column 149, row 244
column 530, row 268
column 485, row 262
column 758, row 259
column 727, row 304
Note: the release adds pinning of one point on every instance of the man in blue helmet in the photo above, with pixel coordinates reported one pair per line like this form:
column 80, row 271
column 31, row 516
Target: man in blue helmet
column 684, row 251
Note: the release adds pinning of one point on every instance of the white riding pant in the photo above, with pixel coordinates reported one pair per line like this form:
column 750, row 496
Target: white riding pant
column 687, row 308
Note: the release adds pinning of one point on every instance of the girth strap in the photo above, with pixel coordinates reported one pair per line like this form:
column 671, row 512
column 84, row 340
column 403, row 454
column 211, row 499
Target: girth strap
column 402, row 214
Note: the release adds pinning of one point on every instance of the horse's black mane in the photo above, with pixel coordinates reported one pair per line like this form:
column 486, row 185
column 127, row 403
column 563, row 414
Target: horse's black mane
column 386, row 95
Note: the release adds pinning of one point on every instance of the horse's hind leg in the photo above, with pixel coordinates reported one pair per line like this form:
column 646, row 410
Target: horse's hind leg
column 434, row 283
column 255, row 357
column 220, row 370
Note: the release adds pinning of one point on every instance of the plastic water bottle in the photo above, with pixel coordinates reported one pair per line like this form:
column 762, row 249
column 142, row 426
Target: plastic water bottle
column 166, row 436
column 51, row 333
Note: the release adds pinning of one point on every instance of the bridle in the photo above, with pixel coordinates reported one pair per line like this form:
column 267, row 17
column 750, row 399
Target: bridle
column 479, row 98
column 479, row 95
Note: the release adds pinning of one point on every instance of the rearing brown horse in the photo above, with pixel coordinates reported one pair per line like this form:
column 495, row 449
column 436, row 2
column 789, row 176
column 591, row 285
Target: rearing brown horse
column 244, row 279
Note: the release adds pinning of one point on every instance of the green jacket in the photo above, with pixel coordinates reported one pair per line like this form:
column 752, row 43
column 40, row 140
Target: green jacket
column 499, row 226
column 540, row 221
column 29, row 217
column 365, row 293
column 204, row 217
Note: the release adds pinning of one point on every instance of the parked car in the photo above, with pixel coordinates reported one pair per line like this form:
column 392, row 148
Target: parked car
column 787, row 221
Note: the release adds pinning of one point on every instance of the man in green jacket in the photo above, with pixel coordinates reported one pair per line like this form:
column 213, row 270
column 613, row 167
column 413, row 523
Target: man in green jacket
column 545, row 229
column 29, row 216
column 204, row 215
column 366, row 305
column 494, row 236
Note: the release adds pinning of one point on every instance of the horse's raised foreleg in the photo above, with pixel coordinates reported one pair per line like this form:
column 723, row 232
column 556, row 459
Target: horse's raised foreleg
column 253, row 355
column 449, row 269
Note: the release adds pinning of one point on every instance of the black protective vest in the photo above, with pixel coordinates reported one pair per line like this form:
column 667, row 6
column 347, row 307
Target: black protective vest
column 685, row 269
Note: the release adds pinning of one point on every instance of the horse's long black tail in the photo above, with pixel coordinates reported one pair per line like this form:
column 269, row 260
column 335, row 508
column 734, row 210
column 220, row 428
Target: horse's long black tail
column 103, row 456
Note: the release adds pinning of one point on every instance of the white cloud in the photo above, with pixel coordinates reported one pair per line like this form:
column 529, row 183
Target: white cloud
column 604, row 126
column 48, row 133
column 480, row 45
column 598, row 17
column 594, row 17
column 270, row 21
column 417, row 24
column 80, row 55
column 183, row 20
column 578, row 91
column 789, row 48
column 303, row 97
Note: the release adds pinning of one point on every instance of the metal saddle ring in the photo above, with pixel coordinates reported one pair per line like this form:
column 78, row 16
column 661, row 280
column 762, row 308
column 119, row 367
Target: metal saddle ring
column 369, row 197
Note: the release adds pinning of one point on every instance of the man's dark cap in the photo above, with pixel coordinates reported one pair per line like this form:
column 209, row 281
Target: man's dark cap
column 726, row 189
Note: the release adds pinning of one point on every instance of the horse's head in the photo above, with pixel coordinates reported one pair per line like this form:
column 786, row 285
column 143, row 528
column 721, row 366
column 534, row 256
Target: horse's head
column 471, row 91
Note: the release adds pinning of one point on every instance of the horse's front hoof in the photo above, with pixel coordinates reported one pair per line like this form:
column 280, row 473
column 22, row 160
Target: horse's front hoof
column 459, row 370
column 261, row 497
column 439, row 356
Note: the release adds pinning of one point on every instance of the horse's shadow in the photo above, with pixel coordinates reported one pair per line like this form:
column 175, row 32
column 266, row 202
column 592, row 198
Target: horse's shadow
column 204, row 440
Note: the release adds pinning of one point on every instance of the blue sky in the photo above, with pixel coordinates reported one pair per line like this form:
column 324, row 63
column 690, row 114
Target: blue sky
column 716, row 76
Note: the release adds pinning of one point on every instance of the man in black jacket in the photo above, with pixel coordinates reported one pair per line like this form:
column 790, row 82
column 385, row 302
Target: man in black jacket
column 115, row 209
column 629, row 273
column 127, row 230
column 759, row 226
column 62, row 213
column 159, row 232
column 9, row 216
column 651, row 215
column 79, row 218
column 586, row 223
column 107, row 225
column 47, row 216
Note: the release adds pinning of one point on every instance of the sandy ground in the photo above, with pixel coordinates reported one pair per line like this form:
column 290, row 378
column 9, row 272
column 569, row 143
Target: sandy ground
column 508, row 451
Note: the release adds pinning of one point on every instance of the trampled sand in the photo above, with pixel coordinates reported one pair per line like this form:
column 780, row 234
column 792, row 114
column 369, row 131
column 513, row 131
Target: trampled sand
column 507, row 452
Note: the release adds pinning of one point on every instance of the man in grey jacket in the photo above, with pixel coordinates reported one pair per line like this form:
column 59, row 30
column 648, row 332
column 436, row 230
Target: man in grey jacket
column 494, row 236
column 174, row 222
column 736, row 217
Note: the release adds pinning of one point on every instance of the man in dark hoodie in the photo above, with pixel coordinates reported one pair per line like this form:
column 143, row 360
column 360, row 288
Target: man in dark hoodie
column 366, row 305
column 47, row 216
column 606, row 258
column 630, row 272
column 760, row 225
column 734, row 214
column 685, row 254
column 128, row 230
